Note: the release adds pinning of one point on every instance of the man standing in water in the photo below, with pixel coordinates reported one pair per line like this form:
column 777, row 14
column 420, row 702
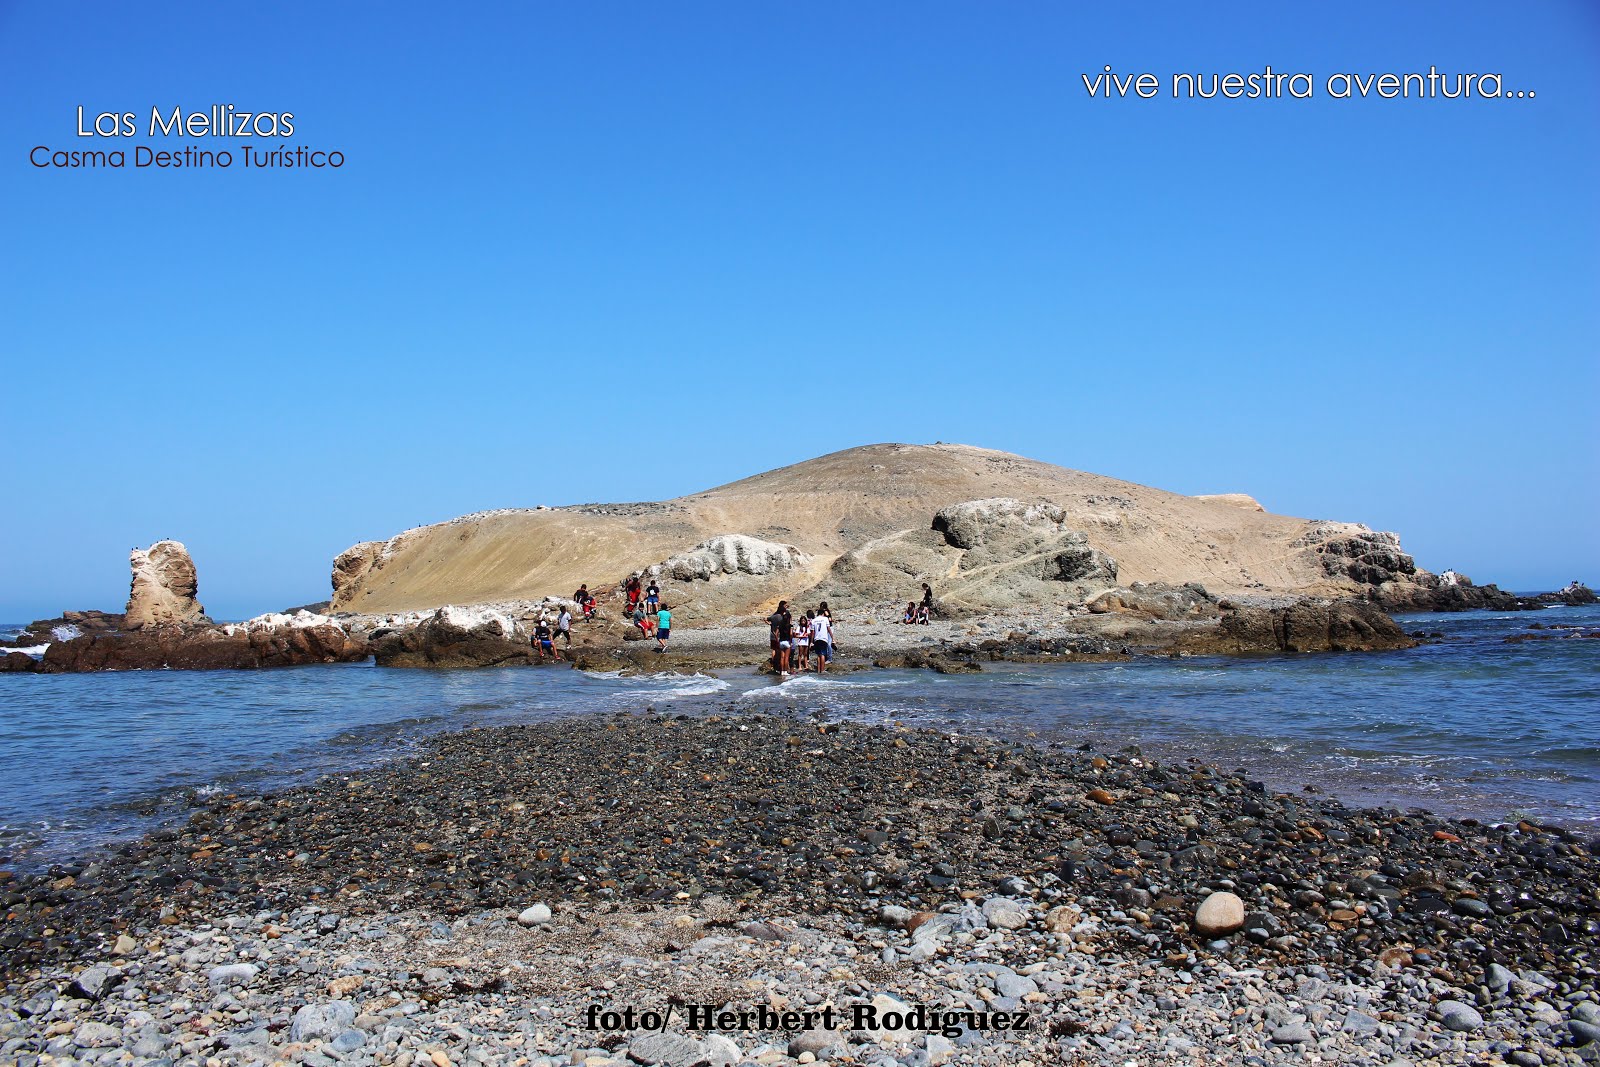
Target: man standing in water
column 782, row 635
column 822, row 641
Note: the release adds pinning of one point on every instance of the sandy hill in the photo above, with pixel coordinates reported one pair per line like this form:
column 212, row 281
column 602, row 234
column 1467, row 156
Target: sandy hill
column 859, row 525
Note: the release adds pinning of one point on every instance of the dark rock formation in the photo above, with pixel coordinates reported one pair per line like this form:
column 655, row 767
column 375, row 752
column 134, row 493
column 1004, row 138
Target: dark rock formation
column 18, row 662
column 1157, row 600
column 1432, row 592
column 1360, row 555
column 68, row 625
column 204, row 648
column 455, row 637
column 1573, row 595
column 1305, row 626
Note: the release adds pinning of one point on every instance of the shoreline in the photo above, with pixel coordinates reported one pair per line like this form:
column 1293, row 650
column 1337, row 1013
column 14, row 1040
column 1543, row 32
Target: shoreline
column 787, row 830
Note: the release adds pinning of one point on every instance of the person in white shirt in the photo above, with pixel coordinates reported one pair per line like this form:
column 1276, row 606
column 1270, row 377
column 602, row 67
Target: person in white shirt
column 822, row 641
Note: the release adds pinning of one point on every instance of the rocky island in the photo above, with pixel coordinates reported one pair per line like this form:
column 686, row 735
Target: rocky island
column 1029, row 561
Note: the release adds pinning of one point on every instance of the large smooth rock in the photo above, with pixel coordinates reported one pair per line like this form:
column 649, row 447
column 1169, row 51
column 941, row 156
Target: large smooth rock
column 456, row 637
column 1218, row 915
column 731, row 554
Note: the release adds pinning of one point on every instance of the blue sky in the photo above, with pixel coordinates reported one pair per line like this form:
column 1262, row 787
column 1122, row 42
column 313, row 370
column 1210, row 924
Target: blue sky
column 613, row 252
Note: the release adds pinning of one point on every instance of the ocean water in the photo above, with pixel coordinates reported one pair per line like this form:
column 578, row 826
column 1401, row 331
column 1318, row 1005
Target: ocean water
column 1471, row 725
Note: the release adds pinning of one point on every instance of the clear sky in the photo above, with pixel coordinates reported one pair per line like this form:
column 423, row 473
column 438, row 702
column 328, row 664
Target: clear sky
column 627, row 251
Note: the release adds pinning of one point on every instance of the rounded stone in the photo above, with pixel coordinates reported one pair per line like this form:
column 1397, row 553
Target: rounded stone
column 534, row 915
column 1459, row 1017
column 1219, row 914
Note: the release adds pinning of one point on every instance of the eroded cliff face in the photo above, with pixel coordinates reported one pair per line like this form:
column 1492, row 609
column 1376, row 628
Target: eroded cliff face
column 164, row 588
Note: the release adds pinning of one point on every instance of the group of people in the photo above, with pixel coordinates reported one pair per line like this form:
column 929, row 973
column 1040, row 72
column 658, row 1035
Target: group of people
column 799, row 641
column 920, row 613
column 649, row 614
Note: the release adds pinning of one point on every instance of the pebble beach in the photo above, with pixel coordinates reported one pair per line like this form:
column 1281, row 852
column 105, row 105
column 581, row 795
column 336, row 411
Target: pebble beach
column 481, row 898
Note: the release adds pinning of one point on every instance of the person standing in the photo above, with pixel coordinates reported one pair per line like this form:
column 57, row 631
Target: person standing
column 801, row 651
column 564, row 625
column 663, row 627
column 822, row 641
column 774, row 622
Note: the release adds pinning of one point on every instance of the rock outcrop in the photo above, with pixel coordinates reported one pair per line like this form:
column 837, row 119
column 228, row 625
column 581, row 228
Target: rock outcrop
column 1243, row 501
column 65, row 627
column 164, row 588
column 269, row 641
column 1357, row 553
column 1573, row 595
column 980, row 555
column 1026, row 539
column 1157, row 600
column 455, row 637
column 731, row 554
column 354, row 564
column 1303, row 626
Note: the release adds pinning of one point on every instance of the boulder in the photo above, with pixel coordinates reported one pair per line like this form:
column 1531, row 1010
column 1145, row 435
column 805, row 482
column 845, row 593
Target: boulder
column 1302, row 626
column 1157, row 600
column 978, row 522
column 730, row 554
column 164, row 587
column 455, row 636
column 1218, row 915
column 18, row 662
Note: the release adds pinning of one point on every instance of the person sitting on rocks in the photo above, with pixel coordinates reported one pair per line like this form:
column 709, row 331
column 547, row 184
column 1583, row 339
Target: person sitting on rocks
column 652, row 596
column 641, row 619
column 544, row 641
column 911, row 613
column 925, row 609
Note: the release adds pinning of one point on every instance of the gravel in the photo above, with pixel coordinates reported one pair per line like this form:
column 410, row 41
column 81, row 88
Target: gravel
column 749, row 862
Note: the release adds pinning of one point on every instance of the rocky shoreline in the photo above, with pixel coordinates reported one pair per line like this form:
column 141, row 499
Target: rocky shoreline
column 468, row 901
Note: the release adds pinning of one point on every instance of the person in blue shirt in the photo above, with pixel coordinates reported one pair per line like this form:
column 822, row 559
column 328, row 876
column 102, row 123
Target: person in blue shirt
column 663, row 627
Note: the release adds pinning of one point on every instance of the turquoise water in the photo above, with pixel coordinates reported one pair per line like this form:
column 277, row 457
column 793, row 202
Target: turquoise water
column 1471, row 725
